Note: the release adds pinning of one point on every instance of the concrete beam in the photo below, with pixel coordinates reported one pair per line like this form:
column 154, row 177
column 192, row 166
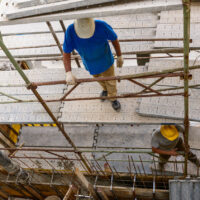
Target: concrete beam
column 122, row 9
column 53, row 7
column 30, row 3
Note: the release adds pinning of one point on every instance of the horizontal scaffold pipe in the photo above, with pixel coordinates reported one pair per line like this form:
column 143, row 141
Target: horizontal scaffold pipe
column 76, row 159
column 165, row 73
column 151, row 51
column 57, row 58
column 137, row 150
column 122, row 40
column 139, row 75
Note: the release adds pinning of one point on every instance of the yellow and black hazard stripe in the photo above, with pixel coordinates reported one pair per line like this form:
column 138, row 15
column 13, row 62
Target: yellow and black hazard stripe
column 40, row 125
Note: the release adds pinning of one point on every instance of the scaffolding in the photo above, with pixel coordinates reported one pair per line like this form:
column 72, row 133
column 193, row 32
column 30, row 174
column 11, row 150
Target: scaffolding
column 67, row 183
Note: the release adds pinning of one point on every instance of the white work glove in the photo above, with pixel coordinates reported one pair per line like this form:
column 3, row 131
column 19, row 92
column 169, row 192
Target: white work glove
column 70, row 78
column 120, row 61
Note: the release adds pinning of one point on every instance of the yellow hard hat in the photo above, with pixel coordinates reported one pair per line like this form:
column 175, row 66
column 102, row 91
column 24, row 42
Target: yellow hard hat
column 170, row 132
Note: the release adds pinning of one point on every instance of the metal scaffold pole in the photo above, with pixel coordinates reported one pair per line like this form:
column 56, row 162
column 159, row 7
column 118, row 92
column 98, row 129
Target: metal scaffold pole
column 186, row 13
column 35, row 92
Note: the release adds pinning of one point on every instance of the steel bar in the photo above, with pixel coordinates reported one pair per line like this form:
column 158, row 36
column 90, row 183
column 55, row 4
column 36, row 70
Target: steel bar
column 155, row 166
column 87, row 150
column 73, row 159
column 186, row 16
column 46, row 160
column 83, row 166
column 95, row 169
column 84, row 151
column 163, row 50
column 88, row 162
column 134, row 165
column 131, row 95
column 142, row 165
column 55, row 154
column 69, row 91
column 78, row 57
column 141, row 75
column 54, row 36
column 116, row 171
column 120, row 40
column 31, row 161
column 153, row 39
column 144, row 86
column 153, row 51
column 144, row 185
column 12, row 60
column 164, row 73
column 9, row 96
column 108, row 164
column 152, row 84
column 98, row 165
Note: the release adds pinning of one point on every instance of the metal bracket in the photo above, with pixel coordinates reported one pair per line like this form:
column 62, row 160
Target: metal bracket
column 31, row 86
column 185, row 77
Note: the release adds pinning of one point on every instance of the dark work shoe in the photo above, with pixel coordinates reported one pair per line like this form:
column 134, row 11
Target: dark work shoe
column 116, row 105
column 103, row 94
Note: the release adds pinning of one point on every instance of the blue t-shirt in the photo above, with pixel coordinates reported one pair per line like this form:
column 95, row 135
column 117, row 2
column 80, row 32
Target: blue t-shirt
column 95, row 51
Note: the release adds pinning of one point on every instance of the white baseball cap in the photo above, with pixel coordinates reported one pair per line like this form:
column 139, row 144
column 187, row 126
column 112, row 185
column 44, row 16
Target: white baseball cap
column 84, row 27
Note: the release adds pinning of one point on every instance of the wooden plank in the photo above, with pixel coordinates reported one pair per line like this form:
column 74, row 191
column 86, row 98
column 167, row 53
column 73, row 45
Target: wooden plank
column 86, row 184
column 70, row 191
column 103, row 194
column 122, row 9
column 54, row 7
column 127, row 192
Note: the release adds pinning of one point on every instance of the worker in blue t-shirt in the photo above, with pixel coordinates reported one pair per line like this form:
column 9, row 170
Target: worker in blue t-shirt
column 90, row 38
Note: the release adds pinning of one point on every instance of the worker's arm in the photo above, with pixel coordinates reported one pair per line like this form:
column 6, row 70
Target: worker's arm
column 67, row 61
column 116, row 45
column 117, row 48
column 159, row 151
column 70, row 78
column 182, row 130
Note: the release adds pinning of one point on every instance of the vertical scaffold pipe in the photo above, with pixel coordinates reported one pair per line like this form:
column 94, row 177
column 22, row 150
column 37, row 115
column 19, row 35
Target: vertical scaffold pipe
column 186, row 17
